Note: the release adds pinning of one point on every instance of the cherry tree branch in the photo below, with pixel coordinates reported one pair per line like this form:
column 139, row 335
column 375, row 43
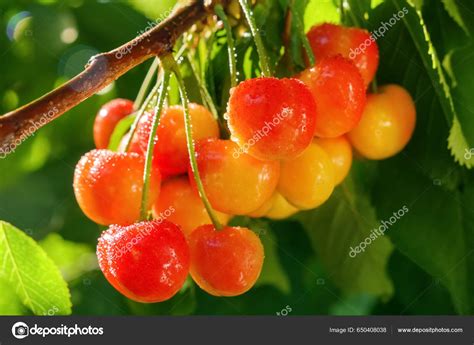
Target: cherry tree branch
column 101, row 70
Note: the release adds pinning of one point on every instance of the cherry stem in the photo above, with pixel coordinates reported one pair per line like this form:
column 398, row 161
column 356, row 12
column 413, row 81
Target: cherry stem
column 170, row 63
column 145, row 104
column 230, row 44
column 146, row 83
column 205, row 95
column 266, row 71
column 140, row 113
column 302, row 34
column 160, row 101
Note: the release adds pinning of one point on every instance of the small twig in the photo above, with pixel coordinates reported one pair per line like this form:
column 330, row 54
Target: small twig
column 101, row 70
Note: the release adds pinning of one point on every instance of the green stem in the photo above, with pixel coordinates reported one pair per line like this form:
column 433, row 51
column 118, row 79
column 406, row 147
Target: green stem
column 302, row 34
column 205, row 95
column 170, row 63
column 145, row 104
column 163, row 90
column 266, row 71
column 146, row 83
column 230, row 44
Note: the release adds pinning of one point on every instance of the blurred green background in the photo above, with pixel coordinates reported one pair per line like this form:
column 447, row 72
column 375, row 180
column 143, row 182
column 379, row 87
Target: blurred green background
column 43, row 43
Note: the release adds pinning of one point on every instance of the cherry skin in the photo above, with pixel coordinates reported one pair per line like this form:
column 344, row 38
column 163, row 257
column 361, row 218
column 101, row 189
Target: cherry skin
column 227, row 262
column 108, row 186
column 328, row 40
column 170, row 152
column 147, row 262
column 107, row 118
column 387, row 124
column 340, row 151
column 339, row 92
column 180, row 203
column 272, row 118
column 235, row 183
column 281, row 208
column 308, row 180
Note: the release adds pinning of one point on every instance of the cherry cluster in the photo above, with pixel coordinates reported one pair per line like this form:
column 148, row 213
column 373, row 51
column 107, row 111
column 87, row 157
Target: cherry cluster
column 290, row 144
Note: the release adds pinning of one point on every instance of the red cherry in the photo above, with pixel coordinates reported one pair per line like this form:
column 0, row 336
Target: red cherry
column 356, row 44
column 170, row 152
column 272, row 118
column 108, row 186
column 234, row 182
column 147, row 262
column 227, row 262
column 339, row 91
column 107, row 118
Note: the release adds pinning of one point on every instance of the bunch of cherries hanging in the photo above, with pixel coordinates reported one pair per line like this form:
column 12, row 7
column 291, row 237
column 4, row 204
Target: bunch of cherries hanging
column 174, row 183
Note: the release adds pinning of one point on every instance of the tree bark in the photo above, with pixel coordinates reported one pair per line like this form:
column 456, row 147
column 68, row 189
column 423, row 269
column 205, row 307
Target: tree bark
column 102, row 69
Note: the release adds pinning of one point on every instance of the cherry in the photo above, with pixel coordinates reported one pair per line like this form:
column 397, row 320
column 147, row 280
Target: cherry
column 339, row 92
column 387, row 124
column 308, row 180
column 181, row 204
column 340, row 151
column 281, row 208
column 227, row 262
column 147, row 262
column 272, row 118
column 234, row 184
column 356, row 44
column 108, row 186
column 107, row 118
column 170, row 152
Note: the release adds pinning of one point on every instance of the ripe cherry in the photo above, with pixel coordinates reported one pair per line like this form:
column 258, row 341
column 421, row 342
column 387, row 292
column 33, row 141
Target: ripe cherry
column 340, row 151
column 387, row 124
column 227, row 262
column 181, row 204
column 339, row 92
column 308, row 180
column 272, row 118
column 281, row 208
column 356, row 44
column 235, row 182
column 108, row 186
column 107, row 118
column 170, row 152
column 147, row 262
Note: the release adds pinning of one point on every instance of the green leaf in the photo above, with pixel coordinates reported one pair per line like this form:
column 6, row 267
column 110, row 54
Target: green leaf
column 319, row 11
column 36, row 279
column 422, row 41
column 10, row 304
column 73, row 259
column 343, row 222
column 455, row 12
column 272, row 270
column 461, row 66
column 434, row 234
column 120, row 130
